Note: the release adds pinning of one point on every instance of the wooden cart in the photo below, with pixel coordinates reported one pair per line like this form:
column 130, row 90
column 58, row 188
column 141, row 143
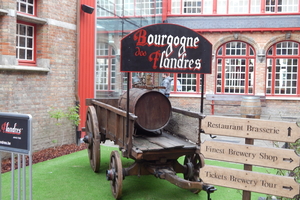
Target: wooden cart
column 154, row 150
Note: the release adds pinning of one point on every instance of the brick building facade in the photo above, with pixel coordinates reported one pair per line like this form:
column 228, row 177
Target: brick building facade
column 37, row 65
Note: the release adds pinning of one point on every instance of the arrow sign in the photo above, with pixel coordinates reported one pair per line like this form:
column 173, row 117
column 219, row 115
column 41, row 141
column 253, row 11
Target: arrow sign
column 251, row 128
column 252, row 155
column 250, row 181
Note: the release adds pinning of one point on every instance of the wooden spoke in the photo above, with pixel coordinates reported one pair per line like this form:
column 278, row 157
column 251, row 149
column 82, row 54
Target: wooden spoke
column 93, row 145
column 193, row 162
column 117, row 179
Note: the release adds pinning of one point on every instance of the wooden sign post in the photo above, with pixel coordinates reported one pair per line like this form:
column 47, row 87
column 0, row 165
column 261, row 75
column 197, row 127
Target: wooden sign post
column 251, row 181
column 251, row 128
column 249, row 155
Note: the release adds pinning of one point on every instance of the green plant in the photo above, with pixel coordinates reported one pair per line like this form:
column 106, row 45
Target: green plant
column 71, row 114
column 56, row 114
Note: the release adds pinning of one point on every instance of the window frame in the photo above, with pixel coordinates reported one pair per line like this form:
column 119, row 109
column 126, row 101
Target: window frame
column 221, row 82
column 274, row 57
column 115, row 10
column 109, row 57
column 253, row 8
column 25, row 61
column 26, row 3
column 175, row 77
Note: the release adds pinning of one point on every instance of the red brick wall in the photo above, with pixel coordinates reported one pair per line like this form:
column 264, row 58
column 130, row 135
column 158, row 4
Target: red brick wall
column 36, row 92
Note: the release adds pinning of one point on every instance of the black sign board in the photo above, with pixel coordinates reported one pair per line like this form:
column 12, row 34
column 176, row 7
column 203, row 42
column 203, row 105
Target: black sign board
column 15, row 132
column 165, row 48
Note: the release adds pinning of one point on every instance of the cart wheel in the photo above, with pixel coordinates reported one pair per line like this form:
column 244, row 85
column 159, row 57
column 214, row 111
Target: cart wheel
column 115, row 174
column 193, row 162
column 93, row 138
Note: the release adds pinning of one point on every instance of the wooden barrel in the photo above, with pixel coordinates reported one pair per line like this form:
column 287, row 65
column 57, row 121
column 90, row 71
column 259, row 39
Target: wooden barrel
column 251, row 107
column 152, row 108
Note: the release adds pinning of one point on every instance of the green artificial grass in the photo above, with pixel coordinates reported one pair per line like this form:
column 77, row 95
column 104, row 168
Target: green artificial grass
column 70, row 177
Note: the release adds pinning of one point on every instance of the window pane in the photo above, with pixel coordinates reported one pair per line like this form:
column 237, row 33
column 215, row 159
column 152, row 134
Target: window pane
column 26, row 6
column 29, row 55
column 238, row 6
column 29, row 43
column 192, row 6
column 221, row 6
column 286, row 69
column 236, row 75
column 22, row 54
column 24, row 42
column 105, row 68
column 255, row 6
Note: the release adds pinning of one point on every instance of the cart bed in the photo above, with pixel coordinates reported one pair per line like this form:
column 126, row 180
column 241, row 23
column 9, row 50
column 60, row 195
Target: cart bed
column 165, row 146
column 164, row 141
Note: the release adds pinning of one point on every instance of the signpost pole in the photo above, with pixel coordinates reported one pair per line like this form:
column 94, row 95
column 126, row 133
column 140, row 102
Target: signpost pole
column 1, row 175
column 201, row 108
column 247, row 194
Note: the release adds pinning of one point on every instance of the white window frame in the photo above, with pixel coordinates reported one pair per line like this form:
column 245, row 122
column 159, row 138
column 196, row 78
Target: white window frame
column 26, row 6
column 114, row 8
column 283, row 69
column 25, row 43
column 191, row 7
column 235, row 68
column 105, row 67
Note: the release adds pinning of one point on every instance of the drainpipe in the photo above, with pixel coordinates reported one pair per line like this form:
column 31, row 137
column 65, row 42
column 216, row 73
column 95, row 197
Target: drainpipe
column 77, row 102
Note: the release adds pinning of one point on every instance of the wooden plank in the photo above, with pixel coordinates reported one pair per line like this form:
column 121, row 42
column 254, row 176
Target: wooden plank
column 250, row 181
column 179, row 140
column 221, row 97
column 144, row 145
column 164, row 142
column 188, row 113
column 251, row 128
column 114, row 109
column 249, row 154
column 224, row 97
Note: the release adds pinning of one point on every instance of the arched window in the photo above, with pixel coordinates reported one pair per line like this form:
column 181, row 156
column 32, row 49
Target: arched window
column 105, row 67
column 282, row 69
column 235, row 68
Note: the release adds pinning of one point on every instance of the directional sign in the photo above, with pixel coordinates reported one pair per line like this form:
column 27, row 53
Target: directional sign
column 250, row 181
column 253, row 155
column 251, row 128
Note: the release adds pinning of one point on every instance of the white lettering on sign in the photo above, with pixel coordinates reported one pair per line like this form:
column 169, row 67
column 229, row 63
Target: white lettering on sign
column 5, row 142
column 11, row 130
column 163, row 60
column 170, row 40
